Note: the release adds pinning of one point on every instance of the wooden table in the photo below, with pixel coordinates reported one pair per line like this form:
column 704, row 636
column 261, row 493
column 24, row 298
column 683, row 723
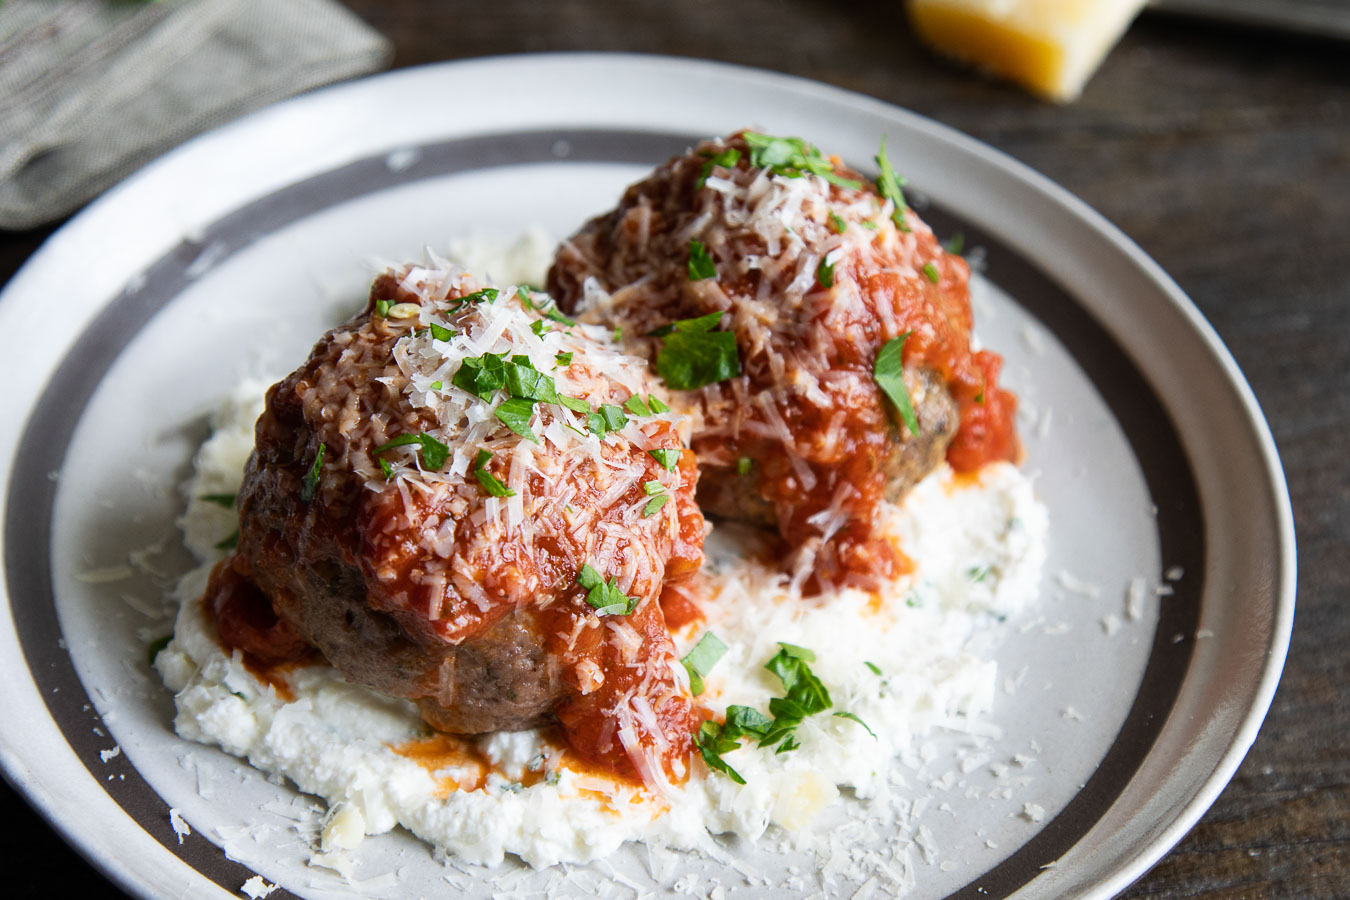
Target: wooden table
column 1225, row 154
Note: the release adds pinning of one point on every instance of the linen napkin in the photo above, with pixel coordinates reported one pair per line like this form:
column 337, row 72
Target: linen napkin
column 90, row 90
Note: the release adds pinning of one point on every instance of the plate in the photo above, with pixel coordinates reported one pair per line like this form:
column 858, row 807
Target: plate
column 1129, row 697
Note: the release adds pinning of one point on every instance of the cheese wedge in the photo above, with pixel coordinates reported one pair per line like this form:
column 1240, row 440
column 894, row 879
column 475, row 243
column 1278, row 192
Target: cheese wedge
column 1048, row 46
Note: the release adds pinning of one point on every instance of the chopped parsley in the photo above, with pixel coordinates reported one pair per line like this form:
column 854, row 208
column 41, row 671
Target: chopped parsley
column 876, row 670
column 386, row 468
column 692, row 355
column 743, row 465
column 436, row 385
column 666, row 457
column 890, row 184
column 854, row 718
column 712, row 741
column 657, row 406
column 618, row 333
column 931, row 272
column 539, row 326
column 310, row 485
column 978, row 573
column 793, row 157
column 434, row 453
column 837, row 221
column 726, row 159
column 955, row 244
column 701, row 265
column 825, row 273
column 552, row 314
column 523, row 383
column 225, row 500
column 515, row 413
column 700, row 660
column 575, row 404
column 441, row 333
column 635, row 406
column 563, row 359
column 660, row 497
column 888, row 372
column 606, row 419
column 803, row 695
column 491, row 483
column 604, row 596
column 486, row 295
column 382, row 307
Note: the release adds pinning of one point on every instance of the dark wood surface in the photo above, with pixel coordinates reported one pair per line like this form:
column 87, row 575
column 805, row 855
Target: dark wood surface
column 1225, row 153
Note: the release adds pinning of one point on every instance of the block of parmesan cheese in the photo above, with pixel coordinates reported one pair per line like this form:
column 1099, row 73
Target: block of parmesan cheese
column 1048, row 46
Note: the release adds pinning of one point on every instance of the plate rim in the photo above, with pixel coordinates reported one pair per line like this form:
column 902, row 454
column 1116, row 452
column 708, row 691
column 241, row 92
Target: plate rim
column 1256, row 426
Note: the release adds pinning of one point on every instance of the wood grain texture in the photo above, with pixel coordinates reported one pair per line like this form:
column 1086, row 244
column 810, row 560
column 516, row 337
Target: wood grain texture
column 1225, row 154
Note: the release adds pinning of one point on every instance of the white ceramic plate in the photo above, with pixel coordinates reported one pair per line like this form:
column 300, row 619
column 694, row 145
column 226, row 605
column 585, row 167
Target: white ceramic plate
column 230, row 255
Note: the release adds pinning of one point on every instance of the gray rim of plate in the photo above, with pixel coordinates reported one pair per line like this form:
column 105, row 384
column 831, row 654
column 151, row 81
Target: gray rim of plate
column 1134, row 400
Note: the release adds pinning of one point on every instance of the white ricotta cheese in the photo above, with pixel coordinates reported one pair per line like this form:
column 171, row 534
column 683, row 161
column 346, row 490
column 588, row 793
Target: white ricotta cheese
column 977, row 546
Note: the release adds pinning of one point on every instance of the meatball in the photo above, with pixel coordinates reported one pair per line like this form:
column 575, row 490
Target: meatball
column 457, row 500
column 815, row 270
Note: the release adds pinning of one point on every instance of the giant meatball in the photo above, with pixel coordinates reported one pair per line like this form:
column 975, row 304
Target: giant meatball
column 448, row 501
column 816, row 270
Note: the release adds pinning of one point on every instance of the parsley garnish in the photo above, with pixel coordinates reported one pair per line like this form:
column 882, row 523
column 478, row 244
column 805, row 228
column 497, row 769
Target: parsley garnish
column 930, row 272
column 837, row 221
column 656, row 405
column 435, row 385
column 225, row 500
column 606, row 419
column 660, row 496
column 310, row 485
column 955, row 244
column 440, row 332
column 712, row 742
column 693, row 355
column 743, row 465
column 803, row 695
column 563, row 359
column 667, row 458
column 382, row 307
column 700, row 263
column 876, row 670
column 491, row 483
column 700, row 661
column 486, row 295
column 539, row 326
column 825, row 273
column 890, row 184
column 575, row 404
column 515, row 413
column 605, row 597
column 434, row 453
column 853, row 718
column 386, row 468
column 726, row 159
column 553, row 314
column 792, row 157
column 889, row 374
column 635, row 406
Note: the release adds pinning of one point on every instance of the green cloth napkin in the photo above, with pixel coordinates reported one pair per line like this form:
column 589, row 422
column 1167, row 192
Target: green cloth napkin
column 90, row 90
